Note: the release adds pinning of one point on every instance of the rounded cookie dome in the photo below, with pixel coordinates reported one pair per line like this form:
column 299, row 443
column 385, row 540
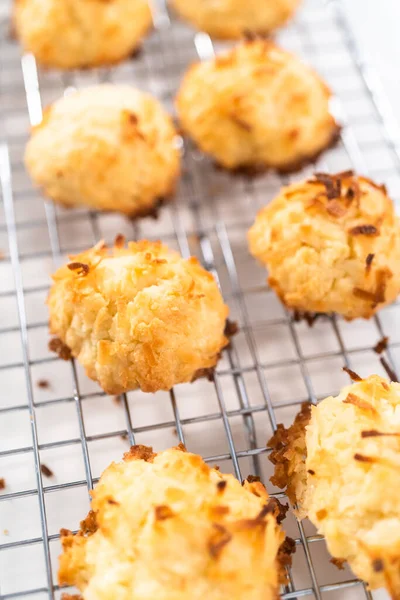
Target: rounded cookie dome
column 70, row 34
column 341, row 463
column 229, row 19
column 256, row 107
column 108, row 147
column 167, row 526
column 139, row 316
column 331, row 244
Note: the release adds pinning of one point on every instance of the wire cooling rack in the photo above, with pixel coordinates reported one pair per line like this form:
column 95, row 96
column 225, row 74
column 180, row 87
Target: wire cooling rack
column 58, row 431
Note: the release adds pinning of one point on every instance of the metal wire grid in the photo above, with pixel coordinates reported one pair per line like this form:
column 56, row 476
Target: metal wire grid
column 248, row 399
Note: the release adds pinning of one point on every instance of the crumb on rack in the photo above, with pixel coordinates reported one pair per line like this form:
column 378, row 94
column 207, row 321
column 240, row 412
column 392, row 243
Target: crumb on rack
column 43, row 383
column 381, row 345
column 2, row 483
column 46, row 471
column 117, row 399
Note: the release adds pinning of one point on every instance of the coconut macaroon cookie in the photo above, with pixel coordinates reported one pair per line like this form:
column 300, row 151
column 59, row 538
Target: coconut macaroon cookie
column 167, row 526
column 139, row 316
column 229, row 19
column 69, row 34
column 331, row 244
column 341, row 463
column 256, row 107
column 108, row 147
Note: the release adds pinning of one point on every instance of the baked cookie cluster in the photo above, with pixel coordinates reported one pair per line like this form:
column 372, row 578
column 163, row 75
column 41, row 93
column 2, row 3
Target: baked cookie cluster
column 108, row 147
column 331, row 245
column 138, row 316
column 340, row 462
column 73, row 34
column 229, row 19
column 256, row 107
column 174, row 528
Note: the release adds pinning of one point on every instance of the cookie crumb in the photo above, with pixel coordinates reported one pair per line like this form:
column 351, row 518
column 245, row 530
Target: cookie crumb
column 2, row 483
column 46, row 471
column 381, row 345
column 43, row 383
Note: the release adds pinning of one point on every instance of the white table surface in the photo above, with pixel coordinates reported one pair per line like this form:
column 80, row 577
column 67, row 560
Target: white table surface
column 376, row 25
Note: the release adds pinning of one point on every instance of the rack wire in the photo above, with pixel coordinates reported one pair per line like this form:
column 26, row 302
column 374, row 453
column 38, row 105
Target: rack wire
column 51, row 415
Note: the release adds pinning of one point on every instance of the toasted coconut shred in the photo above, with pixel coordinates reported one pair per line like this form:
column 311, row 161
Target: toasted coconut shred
column 288, row 455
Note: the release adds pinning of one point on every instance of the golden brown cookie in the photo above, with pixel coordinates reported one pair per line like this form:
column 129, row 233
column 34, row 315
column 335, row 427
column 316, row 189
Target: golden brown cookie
column 108, row 147
column 331, row 244
column 230, row 19
column 256, row 107
column 71, row 34
column 139, row 316
column 341, row 463
column 168, row 527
